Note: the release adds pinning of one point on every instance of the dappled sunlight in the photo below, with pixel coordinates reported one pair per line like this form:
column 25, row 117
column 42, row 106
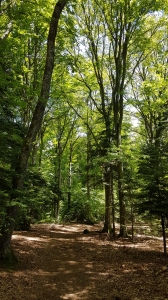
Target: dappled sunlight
column 30, row 238
column 62, row 239
column 72, row 263
column 75, row 296
column 64, row 263
column 68, row 228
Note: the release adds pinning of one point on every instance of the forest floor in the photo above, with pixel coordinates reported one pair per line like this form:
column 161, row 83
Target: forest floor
column 61, row 262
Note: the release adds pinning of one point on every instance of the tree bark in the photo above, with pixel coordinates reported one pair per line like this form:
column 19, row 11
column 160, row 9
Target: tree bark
column 70, row 177
column 36, row 123
column 37, row 118
column 108, row 201
column 6, row 233
column 88, row 177
column 58, row 179
column 163, row 232
column 123, row 227
column 113, row 202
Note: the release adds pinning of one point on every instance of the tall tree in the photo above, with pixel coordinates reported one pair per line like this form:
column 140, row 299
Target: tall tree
column 110, row 38
column 36, row 122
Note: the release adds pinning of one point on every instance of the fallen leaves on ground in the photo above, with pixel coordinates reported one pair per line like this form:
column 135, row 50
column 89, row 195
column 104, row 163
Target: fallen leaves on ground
column 60, row 262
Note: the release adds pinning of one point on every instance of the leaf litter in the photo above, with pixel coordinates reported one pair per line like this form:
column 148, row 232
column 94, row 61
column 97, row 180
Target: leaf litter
column 61, row 262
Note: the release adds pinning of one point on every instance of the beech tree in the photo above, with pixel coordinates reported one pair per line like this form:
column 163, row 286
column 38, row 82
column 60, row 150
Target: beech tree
column 113, row 39
column 35, row 125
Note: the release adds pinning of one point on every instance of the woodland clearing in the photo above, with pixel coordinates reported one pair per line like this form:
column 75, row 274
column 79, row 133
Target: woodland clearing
column 61, row 262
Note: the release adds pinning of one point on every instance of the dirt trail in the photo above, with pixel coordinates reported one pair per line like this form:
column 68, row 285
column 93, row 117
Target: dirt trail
column 60, row 262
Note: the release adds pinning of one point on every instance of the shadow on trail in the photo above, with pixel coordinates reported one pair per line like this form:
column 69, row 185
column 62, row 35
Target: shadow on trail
column 66, row 264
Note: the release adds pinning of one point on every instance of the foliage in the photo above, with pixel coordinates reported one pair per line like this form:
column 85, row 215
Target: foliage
column 110, row 70
column 153, row 182
column 83, row 210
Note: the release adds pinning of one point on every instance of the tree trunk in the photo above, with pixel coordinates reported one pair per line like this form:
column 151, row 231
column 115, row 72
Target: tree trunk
column 132, row 215
column 163, row 232
column 70, row 176
column 123, row 228
column 108, row 204
column 112, row 202
column 21, row 165
column 6, row 233
column 58, row 177
column 88, row 162
column 37, row 118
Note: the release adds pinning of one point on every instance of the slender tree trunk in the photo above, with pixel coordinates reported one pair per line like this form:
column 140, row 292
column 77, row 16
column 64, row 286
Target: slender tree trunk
column 112, row 202
column 108, row 202
column 70, row 176
column 21, row 166
column 58, row 179
column 123, row 228
column 88, row 212
column 163, row 232
column 132, row 215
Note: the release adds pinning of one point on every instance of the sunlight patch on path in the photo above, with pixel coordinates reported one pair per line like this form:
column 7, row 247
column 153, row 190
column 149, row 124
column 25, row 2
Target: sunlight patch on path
column 18, row 237
column 75, row 296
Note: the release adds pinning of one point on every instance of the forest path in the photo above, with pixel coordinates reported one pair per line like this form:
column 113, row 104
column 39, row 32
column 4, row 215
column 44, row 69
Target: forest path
column 60, row 262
